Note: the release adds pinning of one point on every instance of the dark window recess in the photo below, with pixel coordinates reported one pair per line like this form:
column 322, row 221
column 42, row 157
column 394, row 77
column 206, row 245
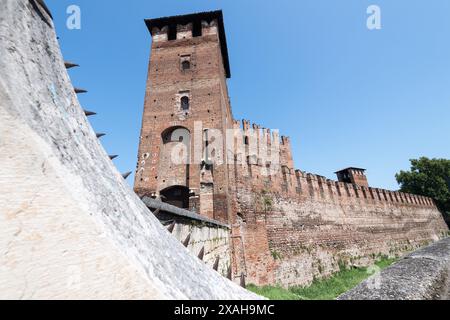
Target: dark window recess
column 177, row 196
column 184, row 103
column 172, row 33
column 185, row 65
column 241, row 216
column 197, row 29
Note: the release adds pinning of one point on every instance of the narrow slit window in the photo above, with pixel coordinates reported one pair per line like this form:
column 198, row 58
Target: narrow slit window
column 197, row 29
column 185, row 65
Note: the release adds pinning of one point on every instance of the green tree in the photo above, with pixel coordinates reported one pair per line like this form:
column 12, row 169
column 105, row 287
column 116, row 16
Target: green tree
column 428, row 177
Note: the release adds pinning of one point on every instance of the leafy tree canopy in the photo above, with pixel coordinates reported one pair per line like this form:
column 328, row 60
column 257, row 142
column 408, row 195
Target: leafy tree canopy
column 428, row 177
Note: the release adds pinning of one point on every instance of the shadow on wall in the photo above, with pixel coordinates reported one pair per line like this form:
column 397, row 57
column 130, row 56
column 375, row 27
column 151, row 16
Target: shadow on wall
column 177, row 196
column 447, row 218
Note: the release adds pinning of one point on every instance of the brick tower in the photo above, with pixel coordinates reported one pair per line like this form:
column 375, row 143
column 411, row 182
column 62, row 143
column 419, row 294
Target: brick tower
column 186, row 99
column 353, row 175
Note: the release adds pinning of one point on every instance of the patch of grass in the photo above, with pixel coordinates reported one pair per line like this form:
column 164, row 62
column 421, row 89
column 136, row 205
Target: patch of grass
column 276, row 255
column 385, row 262
column 273, row 293
column 323, row 289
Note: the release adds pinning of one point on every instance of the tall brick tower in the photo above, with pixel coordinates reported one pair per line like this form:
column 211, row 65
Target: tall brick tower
column 186, row 97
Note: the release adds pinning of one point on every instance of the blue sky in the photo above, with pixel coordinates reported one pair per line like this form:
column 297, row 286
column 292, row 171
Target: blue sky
column 346, row 96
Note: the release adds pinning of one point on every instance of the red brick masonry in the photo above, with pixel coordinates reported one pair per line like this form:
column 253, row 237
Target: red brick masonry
column 288, row 227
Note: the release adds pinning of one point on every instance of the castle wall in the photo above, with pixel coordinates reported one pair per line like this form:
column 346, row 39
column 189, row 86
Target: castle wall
column 310, row 238
column 297, row 226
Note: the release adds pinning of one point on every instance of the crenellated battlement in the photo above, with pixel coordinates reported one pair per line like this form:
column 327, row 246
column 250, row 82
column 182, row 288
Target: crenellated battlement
column 319, row 187
column 285, row 140
column 184, row 31
column 160, row 34
column 284, row 180
column 211, row 28
column 312, row 218
column 179, row 29
column 261, row 134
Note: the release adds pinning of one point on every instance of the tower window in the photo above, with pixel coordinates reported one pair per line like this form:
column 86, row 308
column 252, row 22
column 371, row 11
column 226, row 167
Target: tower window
column 197, row 29
column 185, row 65
column 185, row 62
column 184, row 103
column 172, row 33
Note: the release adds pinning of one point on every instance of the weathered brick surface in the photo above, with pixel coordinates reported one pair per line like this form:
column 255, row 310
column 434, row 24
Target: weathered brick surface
column 205, row 84
column 310, row 233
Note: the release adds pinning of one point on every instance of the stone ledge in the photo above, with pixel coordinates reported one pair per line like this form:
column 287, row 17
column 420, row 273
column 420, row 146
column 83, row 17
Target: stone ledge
column 158, row 205
column 421, row 275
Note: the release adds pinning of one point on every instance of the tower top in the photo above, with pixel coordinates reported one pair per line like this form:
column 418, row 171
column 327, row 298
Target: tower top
column 196, row 19
column 353, row 175
column 351, row 168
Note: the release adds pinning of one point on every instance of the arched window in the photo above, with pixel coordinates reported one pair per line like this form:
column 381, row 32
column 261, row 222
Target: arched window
column 176, row 134
column 185, row 103
column 185, row 65
column 177, row 196
column 176, row 146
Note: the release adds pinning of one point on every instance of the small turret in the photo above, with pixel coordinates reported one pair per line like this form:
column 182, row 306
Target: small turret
column 353, row 175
